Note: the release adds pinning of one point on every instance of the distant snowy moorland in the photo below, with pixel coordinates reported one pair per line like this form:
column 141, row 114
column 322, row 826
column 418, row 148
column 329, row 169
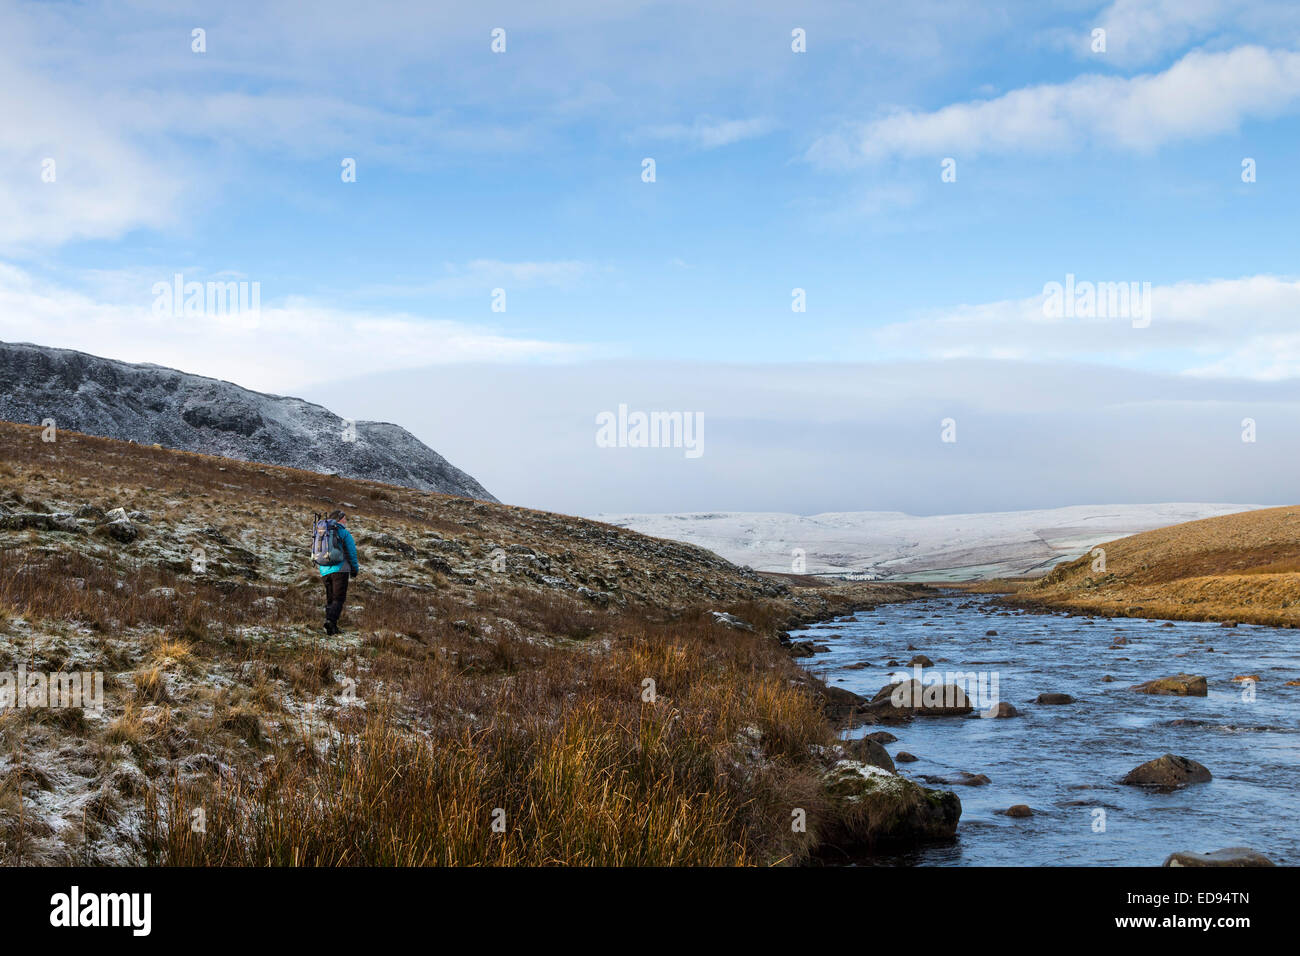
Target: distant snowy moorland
column 890, row 544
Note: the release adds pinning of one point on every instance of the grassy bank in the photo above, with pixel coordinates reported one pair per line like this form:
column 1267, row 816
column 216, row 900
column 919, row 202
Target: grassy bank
column 513, row 686
column 1241, row 567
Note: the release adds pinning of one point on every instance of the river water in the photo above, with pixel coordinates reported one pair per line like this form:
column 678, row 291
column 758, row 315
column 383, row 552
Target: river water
column 1065, row 761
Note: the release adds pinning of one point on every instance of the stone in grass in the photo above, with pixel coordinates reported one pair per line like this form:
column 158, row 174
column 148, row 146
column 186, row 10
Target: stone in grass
column 1230, row 856
column 1167, row 772
column 1179, row 685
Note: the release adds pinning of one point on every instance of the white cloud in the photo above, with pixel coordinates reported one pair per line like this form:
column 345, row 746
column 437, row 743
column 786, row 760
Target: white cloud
column 706, row 133
column 284, row 348
column 1243, row 328
column 104, row 183
column 850, row 437
column 1201, row 95
column 1142, row 31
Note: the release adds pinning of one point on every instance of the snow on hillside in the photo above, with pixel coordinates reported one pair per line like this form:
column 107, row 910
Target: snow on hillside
column 149, row 404
column 891, row 544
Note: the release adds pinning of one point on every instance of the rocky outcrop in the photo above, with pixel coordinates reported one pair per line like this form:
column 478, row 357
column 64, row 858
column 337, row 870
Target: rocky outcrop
column 149, row 404
column 1167, row 772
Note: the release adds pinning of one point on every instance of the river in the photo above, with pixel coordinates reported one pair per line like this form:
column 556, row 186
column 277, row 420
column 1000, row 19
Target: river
column 1065, row 761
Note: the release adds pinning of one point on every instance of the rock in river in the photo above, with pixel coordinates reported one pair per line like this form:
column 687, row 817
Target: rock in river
column 1231, row 856
column 840, row 704
column 1054, row 699
column 909, row 698
column 1180, row 685
column 869, row 807
column 870, row 752
column 1167, row 771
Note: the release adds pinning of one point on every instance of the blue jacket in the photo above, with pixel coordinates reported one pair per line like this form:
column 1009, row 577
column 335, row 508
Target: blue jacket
column 350, row 563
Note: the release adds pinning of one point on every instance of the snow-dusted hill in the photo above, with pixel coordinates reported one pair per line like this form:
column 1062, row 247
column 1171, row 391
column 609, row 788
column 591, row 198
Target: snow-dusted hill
column 890, row 544
column 150, row 404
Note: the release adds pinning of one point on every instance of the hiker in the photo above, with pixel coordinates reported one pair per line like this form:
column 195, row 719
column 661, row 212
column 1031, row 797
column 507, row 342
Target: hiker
column 336, row 553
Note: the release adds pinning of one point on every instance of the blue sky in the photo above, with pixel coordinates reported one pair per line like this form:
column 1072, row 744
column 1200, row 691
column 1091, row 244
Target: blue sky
column 774, row 170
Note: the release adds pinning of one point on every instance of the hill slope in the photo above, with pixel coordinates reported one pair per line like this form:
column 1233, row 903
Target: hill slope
column 493, row 659
column 1240, row 567
column 149, row 404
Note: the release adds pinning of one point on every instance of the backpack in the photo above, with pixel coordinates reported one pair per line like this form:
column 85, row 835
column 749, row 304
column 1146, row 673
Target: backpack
column 326, row 549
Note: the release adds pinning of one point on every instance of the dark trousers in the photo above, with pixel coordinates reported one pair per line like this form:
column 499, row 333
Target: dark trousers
column 336, row 592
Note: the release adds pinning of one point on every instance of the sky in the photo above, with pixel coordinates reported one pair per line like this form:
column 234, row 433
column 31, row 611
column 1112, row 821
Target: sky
column 501, row 269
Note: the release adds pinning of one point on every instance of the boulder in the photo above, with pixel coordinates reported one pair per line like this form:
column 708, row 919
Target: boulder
column 870, row 752
column 959, row 779
column 1231, row 856
column 869, row 808
column 1180, row 685
column 920, row 660
column 1053, row 699
column 904, row 757
column 840, row 704
column 1167, row 771
column 1019, row 810
column 882, row 737
column 122, row 531
column 915, row 698
column 1002, row 709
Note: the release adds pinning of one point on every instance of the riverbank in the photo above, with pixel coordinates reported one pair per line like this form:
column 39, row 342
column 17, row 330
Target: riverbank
column 1240, row 568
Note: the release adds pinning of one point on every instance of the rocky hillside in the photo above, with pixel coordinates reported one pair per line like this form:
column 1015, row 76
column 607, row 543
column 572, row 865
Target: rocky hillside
column 149, row 404
column 612, row 698
column 1241, row 567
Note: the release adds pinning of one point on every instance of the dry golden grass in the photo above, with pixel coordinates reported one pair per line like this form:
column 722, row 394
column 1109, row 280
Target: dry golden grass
column 1240, row 567
column 456, row 690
